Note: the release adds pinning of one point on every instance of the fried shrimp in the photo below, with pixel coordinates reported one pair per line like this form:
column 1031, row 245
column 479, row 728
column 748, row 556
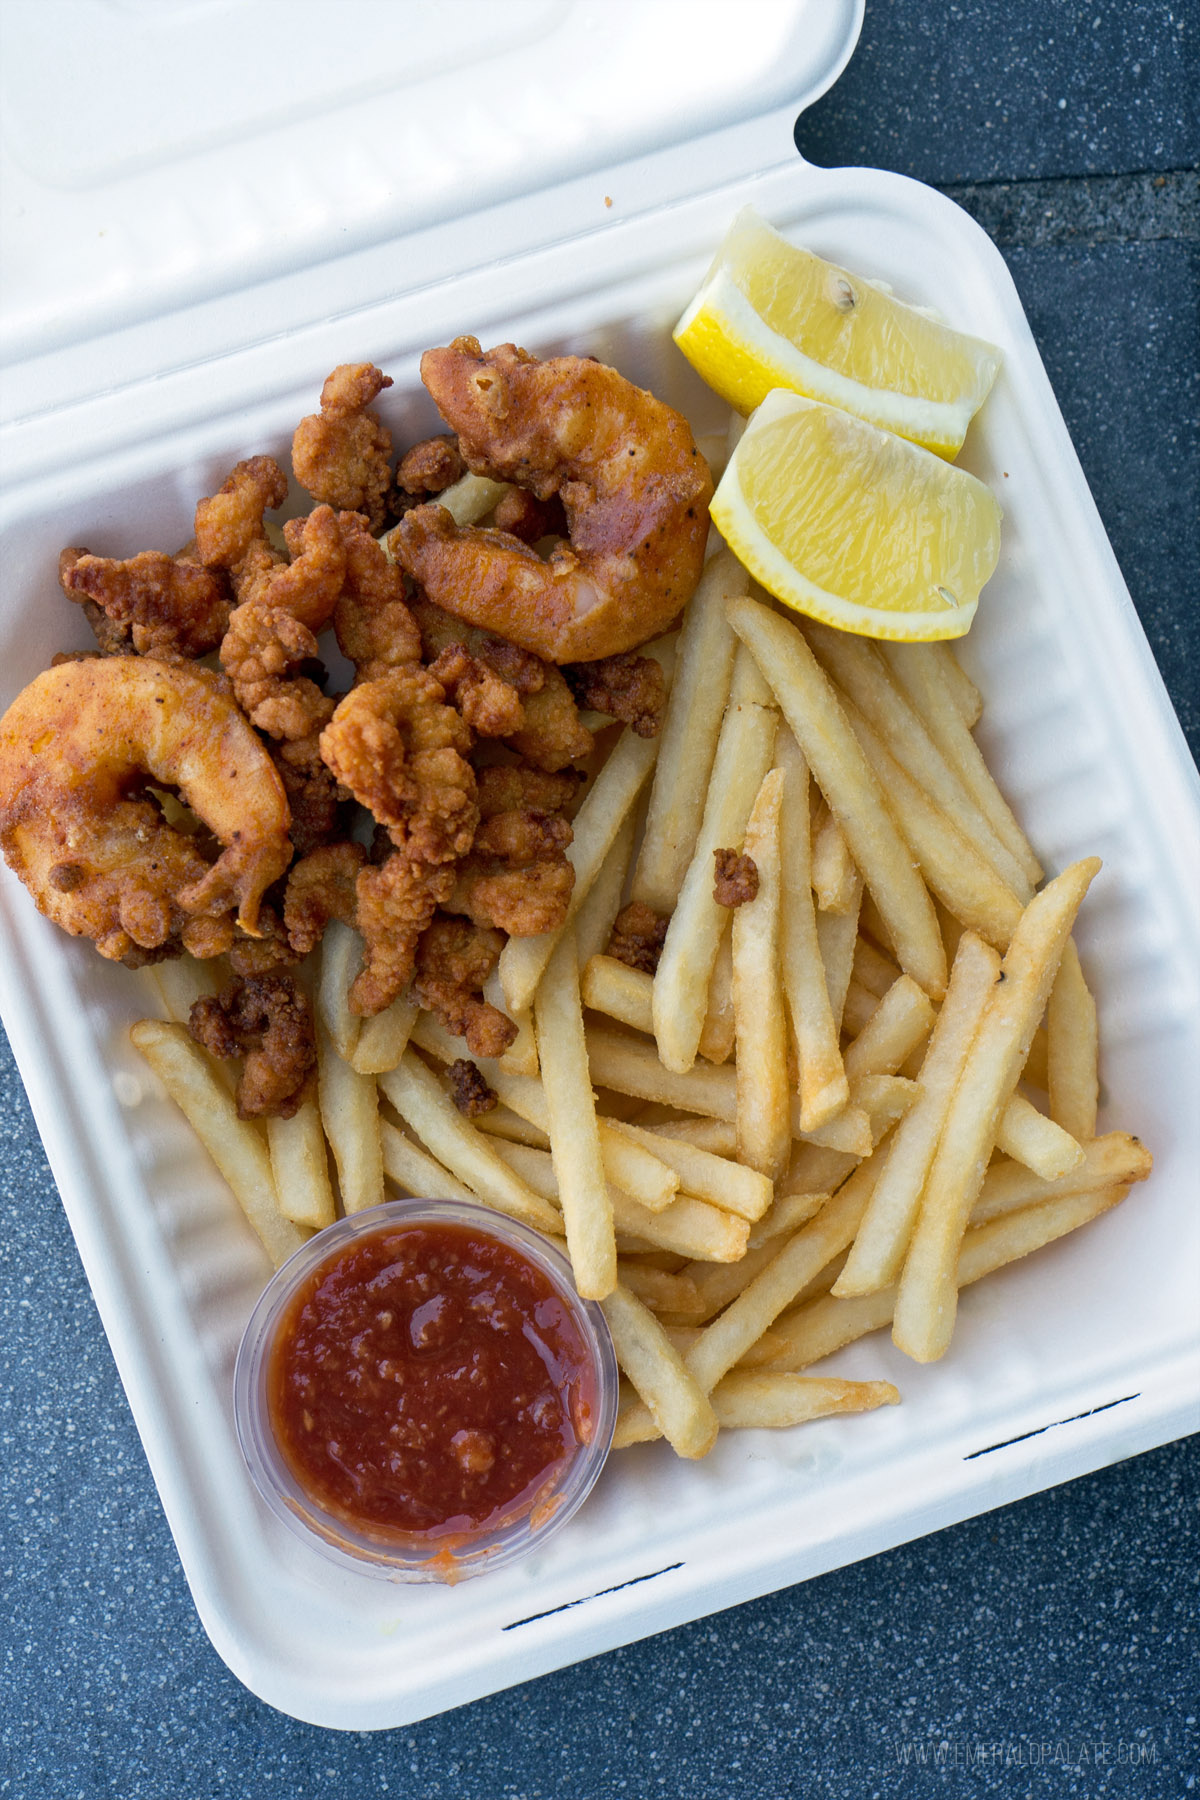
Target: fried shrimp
column 375, row 629
column 341, row 453
column 634, row 487
column 152, row 604
column 229, row 524
column 401, row 751
column 80, row 747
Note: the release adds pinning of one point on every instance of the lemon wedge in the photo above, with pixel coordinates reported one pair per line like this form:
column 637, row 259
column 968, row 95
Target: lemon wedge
column 854, row 526
column 770, row 315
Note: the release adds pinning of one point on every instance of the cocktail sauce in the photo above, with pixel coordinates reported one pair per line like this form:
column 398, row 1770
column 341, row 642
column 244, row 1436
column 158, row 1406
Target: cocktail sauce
column 428, row 1379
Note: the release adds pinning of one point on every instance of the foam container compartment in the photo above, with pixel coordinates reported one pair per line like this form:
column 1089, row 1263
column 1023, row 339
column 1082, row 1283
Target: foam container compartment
column 1082, row 1355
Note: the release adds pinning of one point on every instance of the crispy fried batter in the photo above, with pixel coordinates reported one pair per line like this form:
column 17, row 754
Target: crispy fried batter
column 553, row 734
column 229, row 525
column 395, row 902
column 637, row 937
column 320, row 887
column 468, row 1090
column 375, row 629
column 154, row 604
column 431, row 466
column 341, row 454
column 520, row 668
column 522, row 901
column 505, row 788
column 454, row 959
column 267, row 1019
column 488, row 705
column 526, row 517
column 272, row 633
column 402, row 753
column 266, row 954
column 736, row 880
column 628, row 687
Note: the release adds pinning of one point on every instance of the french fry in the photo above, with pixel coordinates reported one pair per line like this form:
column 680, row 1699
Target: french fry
column 350, row 1114
column 860, row 672
column 719, row 1035
column 382, row 1039
column 598, row 911
column 660, row 1289
column 471, row 498
column 834, row 875
column 689, row 950
column 1114, row 1160
column 843, row 774
column 236, row 1146
column 813, row 1170
column 927, row 1298
column 679, row 1408
column 932, row 690
column 300, row 1166
column 872, row 969
column 967, row 699
column 503, row 1122
column 427, row 1109
column 414, row 1170
column 955, row 870
column 688, row 738
column 523, row 960
column 521, row 1055
column 341, row 959
column 876, row 1103
column 859, row 1009
column 716, row 1135
column 1027, row 1135
column 774, row 1402
column 631, row 1067
column 181, row 981
column 574, row 1137
column 825, row 1325
column 1072, row 1049
column 727, row 1184
column 883, row 1237
column 619, row 992
column 900, row 1023
column 786, row 1215
column 764, row 1134
column 824, row 1088
column 837, row 935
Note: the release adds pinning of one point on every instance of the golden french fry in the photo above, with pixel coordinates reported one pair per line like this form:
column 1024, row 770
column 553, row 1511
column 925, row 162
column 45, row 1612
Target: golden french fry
column 860, row 672
column 932, row 689
column 716, row 1135
column 776, row 1401
column 341, row 959
column 662, row 1290
column 521, row 1055
column 837, row 934
column 967, row 699
column 688, row 738
column 900, row 1023
column 689, row 951
column 236, row 1146
column 428, row 1110
column 414, row 1170
column 571, row 1113
column 828, row 1324
column 471, row 498
column 824, row 1088
column 690, row 1227
column 599, row 908
column 300, row 1166
column 596, row 825
column 1028, row 1136
column 619, row 992
column 1072, row 1049
column 872, row 969
column 181, row 981
column 927, row 1299
column 1114, row 1160
column 763, row 1125
column 883, row 1237
column 727, row 1184
column 631, row 1067
column 720, row 1031
column 859, row 1009
column 844, row 776
column 503, row 1122
column 382, row 1040
column 834, row 875
column 349, row 1106
column 679, row 1408
column 959, row 875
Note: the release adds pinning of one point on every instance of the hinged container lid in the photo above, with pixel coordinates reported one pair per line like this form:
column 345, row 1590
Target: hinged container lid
column 185, row 163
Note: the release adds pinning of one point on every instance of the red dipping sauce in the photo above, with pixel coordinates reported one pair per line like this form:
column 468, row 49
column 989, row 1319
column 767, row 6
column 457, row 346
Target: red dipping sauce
column 429, row 1381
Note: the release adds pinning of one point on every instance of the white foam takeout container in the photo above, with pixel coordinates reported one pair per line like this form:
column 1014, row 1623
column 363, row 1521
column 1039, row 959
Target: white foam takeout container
column 1082, row 1355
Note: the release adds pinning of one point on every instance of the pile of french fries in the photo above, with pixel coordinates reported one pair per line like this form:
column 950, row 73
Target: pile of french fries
column 827, row 1112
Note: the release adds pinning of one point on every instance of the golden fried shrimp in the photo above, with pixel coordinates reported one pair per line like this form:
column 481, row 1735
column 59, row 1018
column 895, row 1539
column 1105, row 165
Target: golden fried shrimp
column 395, row 902
column 487, row 703
column 401, row 751
column 341, row 454
column 524, row 901
column 453, row 961
column 78, row 749
column 431, row 466
column 374, row 627
column 634, row 487
column 268, row 1020
column 229, row 524
column 154, row 604
column 272, row 633
column 321, row 887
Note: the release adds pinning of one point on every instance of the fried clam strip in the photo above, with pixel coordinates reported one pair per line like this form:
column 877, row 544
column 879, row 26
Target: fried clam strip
column 827, row 1324
column 823, row 732
column 689, row 952
column 928, row 1296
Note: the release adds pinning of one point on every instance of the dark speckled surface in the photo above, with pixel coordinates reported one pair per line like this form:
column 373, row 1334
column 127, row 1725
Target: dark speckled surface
column 1048, row 1648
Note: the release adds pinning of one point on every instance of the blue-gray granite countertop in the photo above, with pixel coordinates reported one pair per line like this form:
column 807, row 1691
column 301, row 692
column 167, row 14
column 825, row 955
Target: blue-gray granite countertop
column 1047, row 1648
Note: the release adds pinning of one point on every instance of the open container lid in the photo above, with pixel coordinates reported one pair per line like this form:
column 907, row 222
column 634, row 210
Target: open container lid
column 185, row 179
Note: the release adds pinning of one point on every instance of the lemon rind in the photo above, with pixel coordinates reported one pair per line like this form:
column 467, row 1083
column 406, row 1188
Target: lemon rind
column 938, row 425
